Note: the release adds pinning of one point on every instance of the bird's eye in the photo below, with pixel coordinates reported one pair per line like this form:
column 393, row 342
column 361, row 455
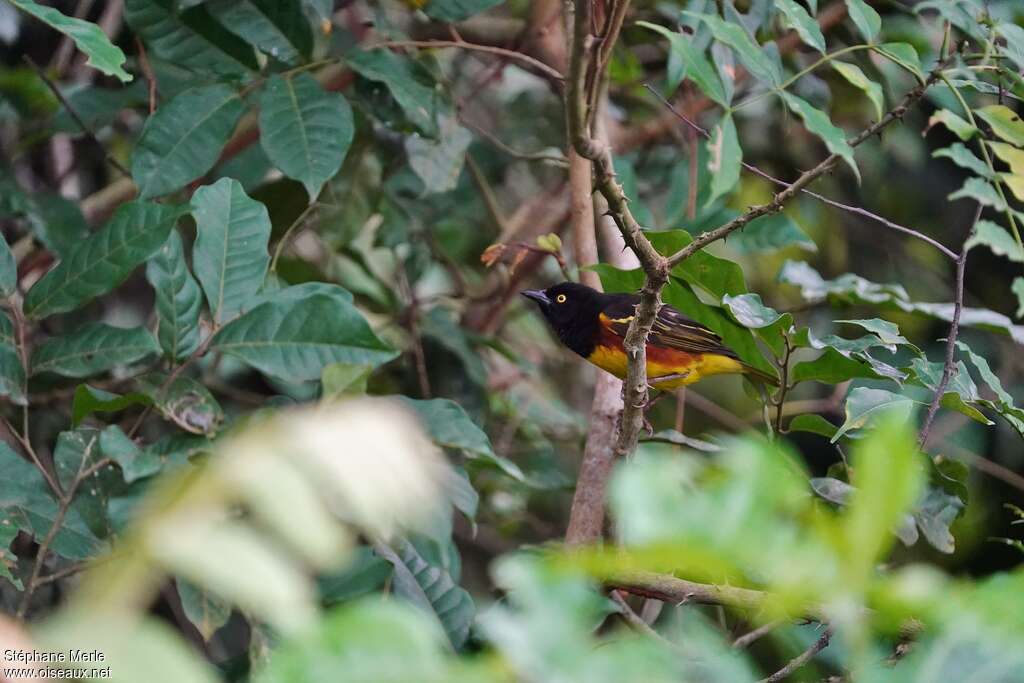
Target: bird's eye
column 560, row 298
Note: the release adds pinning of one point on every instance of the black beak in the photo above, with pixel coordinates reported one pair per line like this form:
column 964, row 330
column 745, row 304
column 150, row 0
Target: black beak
column 537, row 295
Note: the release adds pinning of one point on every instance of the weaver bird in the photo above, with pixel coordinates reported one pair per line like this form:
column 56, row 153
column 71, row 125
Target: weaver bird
column 680, row 351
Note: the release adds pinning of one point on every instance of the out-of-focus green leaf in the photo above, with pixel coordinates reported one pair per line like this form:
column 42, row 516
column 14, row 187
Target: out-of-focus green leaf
column 430, row 588
column 417, row 100
column 89, row 400
column 864, row 405
column 996, row 238
column 1012, row 156
column 205, row 611
column 813, row 424
column 1004, row 401
column 769, row 233
column 97, row 107
column 1014, row 35
column 800, row 21
column 190, row 39
column 57, row 222
column 1005, row 123
column 12, row 373
column 980, row 191
column 451, row 11
column 725, row 158
column 366, row 573
column 903, row 54
column 831, row 489
column 964, row 158
column 8, row 270
column 934, row 515
column 865, row 17
column 178, row 299
column 1018, row 288
column 855, row 77
column 230, row 255
column 449, row 426
column 295, row 340
column 305, row 130
column 104, row 259
column 182, row 140
column 818, row 123
column 27, row 504
column 91, row 349
column 185, row 402
column 956, row 125
column 345, row 379
column 748, row 51
column 89, row 38
column 750, row 311
column 278, row 28
column 438, row 163
column 698, row 68
column 75, row 452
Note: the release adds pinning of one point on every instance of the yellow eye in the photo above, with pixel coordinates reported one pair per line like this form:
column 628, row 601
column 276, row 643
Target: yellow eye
column 560, row 298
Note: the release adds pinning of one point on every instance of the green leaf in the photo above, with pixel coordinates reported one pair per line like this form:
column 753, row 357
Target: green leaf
column 888, row 333
column 866, row 19
column 888, row 479
column 1004, row 401
column 12, row 373
column 382, row 66
column 305, row 130
column 190, row 39
column 725, row 158
column 88, row 37
column 8, row 270
column 450, row 427
column 934, row 515
column 135, row 463
column 438, row 163
column 769, row 233
column 74, row 453
column 185, row 402
column 451, row 11
column 27, row 504
column 91, row 349
column 182, row 140
column 104, row 259
column 1014, row 35
column 89, row 400
column 864, row 405
column 206, row 612
column 178, row 299
column 1005, row 123
column 430, row 588
column 813, row 424
column 230, row 255
column 97, row 107
column 749, row 310
column 1012, row 156
column 698, row 68
column 981, row 191
column 964, row 158
column 800, row 21
column 996, row 238
column 295, row 340
column 855, row 77
column 956, row 125
column 345, row 379
column 365, row 574
column 1018, row 288
column 748, row 51
column 818, row 123
column 278, row 28
column 833, row 367
column 904, row 55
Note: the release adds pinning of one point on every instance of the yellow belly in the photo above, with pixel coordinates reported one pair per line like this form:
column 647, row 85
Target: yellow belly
column 614, row 361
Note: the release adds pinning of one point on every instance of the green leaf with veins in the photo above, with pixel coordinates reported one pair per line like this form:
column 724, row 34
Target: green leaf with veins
column 91, row 349
column 104, row 259
column 89, row 400
column 803, row 23
column 996, row 238
column 855, row 77
column 865, row 17
column 178, row 299
column 230, row 256
column 305, row 130
column 698, row 68
column 1005, row 123
column 418, row 101
column 183, row 139
column 818, row 123
column 87, row 36
column 964, row 158
column 278, row 28
column 864, row 405
column 725, row 158
column 748, row 51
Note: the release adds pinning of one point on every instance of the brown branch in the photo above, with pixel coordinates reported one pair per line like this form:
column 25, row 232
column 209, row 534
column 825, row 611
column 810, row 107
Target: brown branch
column 949, row 364
column 695, row 127
column 527, row 60
column 750, row 637
column 817, row 646
column 147, row 71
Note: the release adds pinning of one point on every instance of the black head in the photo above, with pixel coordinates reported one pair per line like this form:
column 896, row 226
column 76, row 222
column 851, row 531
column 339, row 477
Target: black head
column 572, row 311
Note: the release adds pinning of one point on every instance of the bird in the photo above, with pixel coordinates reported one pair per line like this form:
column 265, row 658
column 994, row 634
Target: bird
column 680, row 351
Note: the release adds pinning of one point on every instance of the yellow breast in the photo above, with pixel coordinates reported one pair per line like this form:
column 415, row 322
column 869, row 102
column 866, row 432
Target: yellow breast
column 614, row 361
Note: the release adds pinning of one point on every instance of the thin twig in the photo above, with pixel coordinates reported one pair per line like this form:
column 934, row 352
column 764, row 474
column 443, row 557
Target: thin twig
column 817, row 646
column 747, row 639
column 286, row 237
column 949, row 365
column 636, row 622
column 695, row 127
column 536, row 64
column 147, row 71
column 74, row 115
column 556, row 159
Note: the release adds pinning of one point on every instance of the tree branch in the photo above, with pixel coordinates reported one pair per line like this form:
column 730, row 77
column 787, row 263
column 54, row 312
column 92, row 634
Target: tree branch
column 817, row 646
column 526, row 60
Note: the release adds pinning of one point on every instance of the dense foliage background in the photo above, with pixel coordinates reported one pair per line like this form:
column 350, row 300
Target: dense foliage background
column 273, row 409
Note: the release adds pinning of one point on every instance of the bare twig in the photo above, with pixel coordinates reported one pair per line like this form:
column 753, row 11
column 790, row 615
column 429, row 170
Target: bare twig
column 817, row 646
column 636, row 622
column 695, row 127
column 750, row 637
column 295, row 227
column 147, row 71
column 527, row 60
column 556, row 159
column 949, row 365
column 74, row 114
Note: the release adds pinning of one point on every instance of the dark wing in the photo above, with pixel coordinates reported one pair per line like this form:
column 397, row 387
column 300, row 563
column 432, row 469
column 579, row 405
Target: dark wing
column 671, row 329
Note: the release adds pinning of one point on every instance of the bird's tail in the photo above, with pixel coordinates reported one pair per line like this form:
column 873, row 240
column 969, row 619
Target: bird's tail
column 758, row 375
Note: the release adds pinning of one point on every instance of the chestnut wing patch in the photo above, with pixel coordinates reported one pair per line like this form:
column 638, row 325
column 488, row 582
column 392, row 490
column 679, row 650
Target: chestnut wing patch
column 671, row 330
